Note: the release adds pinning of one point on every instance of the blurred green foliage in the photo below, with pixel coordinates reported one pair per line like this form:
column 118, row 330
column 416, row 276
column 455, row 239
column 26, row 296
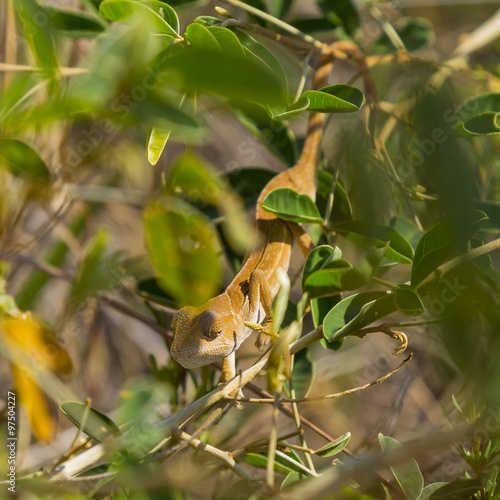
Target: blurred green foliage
column 118, row 103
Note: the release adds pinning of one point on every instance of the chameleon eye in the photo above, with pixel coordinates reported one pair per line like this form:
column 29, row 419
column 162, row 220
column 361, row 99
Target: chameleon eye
column 213, row 333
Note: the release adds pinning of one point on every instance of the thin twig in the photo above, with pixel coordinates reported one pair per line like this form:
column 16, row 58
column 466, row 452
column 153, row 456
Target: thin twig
column 328, row 396
column 224, row 456
column 279, row 23
column 461, row 259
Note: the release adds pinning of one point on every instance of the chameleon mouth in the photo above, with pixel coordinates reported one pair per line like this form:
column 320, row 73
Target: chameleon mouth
column 190, row 357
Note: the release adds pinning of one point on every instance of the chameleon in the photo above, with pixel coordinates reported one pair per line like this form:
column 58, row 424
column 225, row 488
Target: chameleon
column 214, row 331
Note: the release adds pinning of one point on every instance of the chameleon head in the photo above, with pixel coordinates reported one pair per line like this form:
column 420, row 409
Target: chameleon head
column 205, row 334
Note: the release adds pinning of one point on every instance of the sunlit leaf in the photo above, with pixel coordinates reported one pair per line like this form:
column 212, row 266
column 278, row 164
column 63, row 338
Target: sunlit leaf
column 33, row 400
column 280, row 464
column 156, row 143
column 181, row 246
column 334, row 447
column 195, row 178
column 38, row 35
column 42, row 347
column 339, row 98
column 289, row 205
column 165, row 11
column 92, row 422
column 38, row 342
column 129, row 11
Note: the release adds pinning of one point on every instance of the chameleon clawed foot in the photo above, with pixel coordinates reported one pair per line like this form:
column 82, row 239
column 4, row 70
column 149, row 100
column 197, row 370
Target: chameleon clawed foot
column 401, row 338
column 265, row 334
column 394, row 334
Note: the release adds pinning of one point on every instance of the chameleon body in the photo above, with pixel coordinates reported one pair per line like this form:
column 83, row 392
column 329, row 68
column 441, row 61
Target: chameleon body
column 214, row 331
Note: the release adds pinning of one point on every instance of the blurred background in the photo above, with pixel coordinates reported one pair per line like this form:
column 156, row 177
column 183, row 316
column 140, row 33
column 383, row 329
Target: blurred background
column 94, row 120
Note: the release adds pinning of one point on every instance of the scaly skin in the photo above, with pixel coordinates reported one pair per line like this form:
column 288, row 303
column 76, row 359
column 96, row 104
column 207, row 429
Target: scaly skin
column 214, row 331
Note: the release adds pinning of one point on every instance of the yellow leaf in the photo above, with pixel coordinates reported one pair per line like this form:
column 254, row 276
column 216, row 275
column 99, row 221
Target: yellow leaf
column 38, row 342
column 42, row 349
column 33, row 400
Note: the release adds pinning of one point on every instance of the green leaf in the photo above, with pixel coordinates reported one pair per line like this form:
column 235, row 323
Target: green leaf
column 337, row 276
column 200, row 36
column 39, row 36
column 416, row 33
column 280, row 463
column 165, row 12
column 343, row 11
column 195, row 178
column 335, row 447
column 95, row 424
column 407, row 228
column 302, row 374
column 295, row 109
column 365, row 236
column 151, row 290
column 457, row 490
column 291, row 478
column 439, row 243
column 74, row 23
column 208, row 70
column 429, row 490
column 228, row 42
column 408, row 300
column 479, row 115
column 356, row 312
column 317, row 25
column 342, row 209
column 320, row 308
column 135, row 12
column 181, row 246
column 249, row 182
column 156, row 143
column 21, row 160
column 280, row 8
column 408, row 475
column 276, row 136
column 207, row 20
column 97, row 271
column 484, row 267
column 339, row 98
column 264, row 54
column 318, row 258
column 290, row 205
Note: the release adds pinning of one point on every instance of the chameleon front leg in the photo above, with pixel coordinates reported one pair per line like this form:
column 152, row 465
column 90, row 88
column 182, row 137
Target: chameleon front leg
column 260, row 293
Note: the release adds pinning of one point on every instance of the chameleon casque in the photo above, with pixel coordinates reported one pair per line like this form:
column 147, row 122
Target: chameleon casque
column 214, row 331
